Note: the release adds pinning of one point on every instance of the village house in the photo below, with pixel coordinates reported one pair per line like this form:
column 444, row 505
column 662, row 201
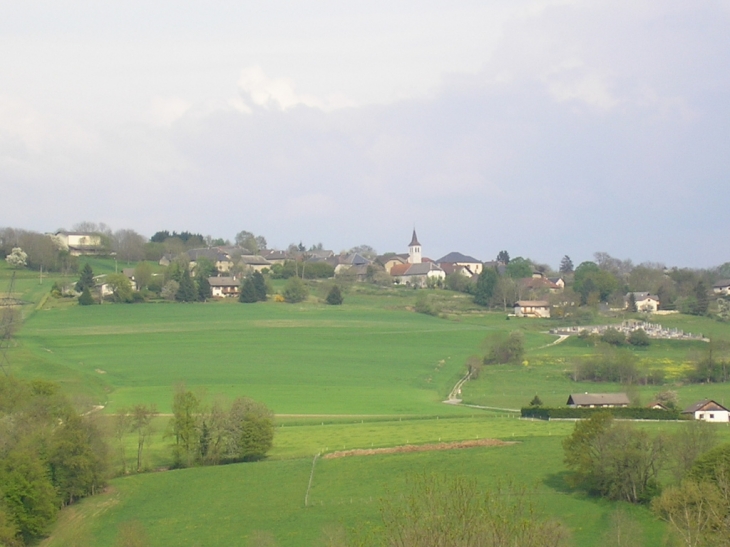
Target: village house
column 645, row 302
column 532, row 308
column 254, row 262
column 79, row 243
column 222, row 261
column 722, row 287
column 453, row 259
column 708, row 410
column 387, row 261
column 598, row 400
column 222, row 287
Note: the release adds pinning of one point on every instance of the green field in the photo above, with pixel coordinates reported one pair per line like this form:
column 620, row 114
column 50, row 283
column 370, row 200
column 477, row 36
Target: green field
column 371, row 373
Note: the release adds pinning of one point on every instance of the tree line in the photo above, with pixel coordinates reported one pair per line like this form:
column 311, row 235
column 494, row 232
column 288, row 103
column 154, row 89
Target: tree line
column 621, row 462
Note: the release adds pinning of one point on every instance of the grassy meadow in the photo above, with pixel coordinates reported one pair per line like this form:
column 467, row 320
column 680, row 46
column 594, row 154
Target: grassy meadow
column 370, row 373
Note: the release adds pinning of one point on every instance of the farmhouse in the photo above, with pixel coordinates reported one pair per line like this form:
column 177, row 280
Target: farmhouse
column 598, row 400
column 417, row 275
column 532, row 308
column 709, row 411
column 224, row 286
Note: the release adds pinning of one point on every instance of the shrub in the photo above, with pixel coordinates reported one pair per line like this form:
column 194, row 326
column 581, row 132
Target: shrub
column 506, row 349
column 425, row 305
column 639, row 338
column 334, row 297
column 295, row 291
column 614, row 337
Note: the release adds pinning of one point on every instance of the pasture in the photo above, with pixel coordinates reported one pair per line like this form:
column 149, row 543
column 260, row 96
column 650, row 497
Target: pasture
column 369, row 374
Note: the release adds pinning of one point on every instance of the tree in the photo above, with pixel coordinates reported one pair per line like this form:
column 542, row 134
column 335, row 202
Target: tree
column 485, row 286
column 639, row 338
column 701, row 299
column 249, row 241
column 86, row 279
column 203, row 285
column 519, row 268
column 631, row 307
column 566, row 265
column 129, row 245
column 184, row 426
column 121, row 287
column 187, row 291
column 259, row 284
column 536, row 401
column 143, row 275
column 613, row 337
column 503, row 257
column 505, row 349
column 614, row 460
column 17, row 258
column 86, row 299
column 248, row 292
column 334, row 296
column 589, row 280
column 77, row 458
column 438, row 512
column 251, row 427
column 692, row 440
column 141, row 424
column 697, row 513
column 295, row 291
column 169, row 290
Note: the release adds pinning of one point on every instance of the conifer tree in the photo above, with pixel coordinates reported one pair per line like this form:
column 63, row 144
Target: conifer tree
column 186, row 292
column 86, row 280
column 86, row 299
column 248, row 292
column 259, row 285
column 204, row 290
column 334, row 298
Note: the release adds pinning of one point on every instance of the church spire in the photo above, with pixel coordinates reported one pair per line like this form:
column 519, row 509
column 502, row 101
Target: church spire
column 414, row 239
column 414, row 250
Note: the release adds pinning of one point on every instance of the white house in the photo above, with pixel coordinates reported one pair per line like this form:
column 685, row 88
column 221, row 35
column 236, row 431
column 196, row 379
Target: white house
column 709, row 411
column 224, row 286
column 417, row 275
column 78, row 243
column 722, row 287
column 644, row 301
column 532, row 308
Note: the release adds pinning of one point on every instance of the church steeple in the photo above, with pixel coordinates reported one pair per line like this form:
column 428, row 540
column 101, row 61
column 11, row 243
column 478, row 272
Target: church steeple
column 414, row 239
column 414, row 250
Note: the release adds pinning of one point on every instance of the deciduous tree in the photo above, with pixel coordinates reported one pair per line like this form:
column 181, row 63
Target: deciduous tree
column 484, row 289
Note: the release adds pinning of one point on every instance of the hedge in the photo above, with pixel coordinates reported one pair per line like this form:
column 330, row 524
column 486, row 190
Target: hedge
column 635, row 413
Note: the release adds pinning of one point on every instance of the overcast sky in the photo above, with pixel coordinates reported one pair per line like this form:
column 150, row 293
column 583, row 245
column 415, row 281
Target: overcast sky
column 543, row 127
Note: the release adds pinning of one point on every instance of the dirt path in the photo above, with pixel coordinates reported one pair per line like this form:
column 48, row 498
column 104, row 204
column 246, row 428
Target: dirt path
column 408, row 448
column 561, row 338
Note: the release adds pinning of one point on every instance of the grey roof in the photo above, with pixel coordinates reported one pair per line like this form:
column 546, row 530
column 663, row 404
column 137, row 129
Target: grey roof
column 414, row 239
column 701, row 405
column 255, row 260
column 722, row 283
column 213, row 255
column 223, row 282
column 422, row 269
column 454, row 257
column 533, row 303
column 642, row 295
column 598, row 399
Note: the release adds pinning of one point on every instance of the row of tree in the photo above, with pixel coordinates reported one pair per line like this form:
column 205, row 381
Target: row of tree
column 50, row 456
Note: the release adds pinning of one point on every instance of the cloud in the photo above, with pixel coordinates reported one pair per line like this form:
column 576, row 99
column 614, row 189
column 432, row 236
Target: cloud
column 260, row 90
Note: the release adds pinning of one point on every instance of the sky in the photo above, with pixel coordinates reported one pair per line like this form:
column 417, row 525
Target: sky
column 542, row 127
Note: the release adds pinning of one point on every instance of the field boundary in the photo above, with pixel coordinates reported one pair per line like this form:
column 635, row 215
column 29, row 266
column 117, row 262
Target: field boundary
column 410, row 448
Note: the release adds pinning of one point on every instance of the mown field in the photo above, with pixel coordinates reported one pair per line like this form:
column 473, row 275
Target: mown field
column 371, row 373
